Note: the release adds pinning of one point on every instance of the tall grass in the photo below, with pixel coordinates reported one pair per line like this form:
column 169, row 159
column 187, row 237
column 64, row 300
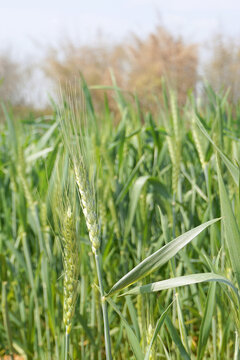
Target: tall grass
column 162, row 194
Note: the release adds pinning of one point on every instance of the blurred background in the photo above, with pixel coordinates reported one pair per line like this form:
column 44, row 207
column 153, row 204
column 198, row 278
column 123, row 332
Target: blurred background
column 137, row 42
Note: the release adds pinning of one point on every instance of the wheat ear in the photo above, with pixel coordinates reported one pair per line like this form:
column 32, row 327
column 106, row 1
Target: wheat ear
column 71, row 269
column 75, row 138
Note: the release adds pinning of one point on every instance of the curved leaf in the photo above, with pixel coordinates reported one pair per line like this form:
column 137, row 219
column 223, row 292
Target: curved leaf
column 135, row 194
column 180, row 281
column 234, row 171
column 158, row 258
column 136, row 191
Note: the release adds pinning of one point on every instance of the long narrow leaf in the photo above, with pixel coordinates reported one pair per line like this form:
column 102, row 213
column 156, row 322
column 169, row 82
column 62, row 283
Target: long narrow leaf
column 159, row 258
column 136, row 348
column 231, row 167
column 136, row 191
column 206, row 321
column 232, row 234
column 176, row 338
column 158, row 326
column 180, row 281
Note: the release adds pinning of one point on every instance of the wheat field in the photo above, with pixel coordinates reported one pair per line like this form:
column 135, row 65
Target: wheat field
column 120, row 229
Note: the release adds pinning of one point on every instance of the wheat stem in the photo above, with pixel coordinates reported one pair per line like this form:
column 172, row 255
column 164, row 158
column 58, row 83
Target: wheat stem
column 66, row 344
column 88, row 208
column 104, row 309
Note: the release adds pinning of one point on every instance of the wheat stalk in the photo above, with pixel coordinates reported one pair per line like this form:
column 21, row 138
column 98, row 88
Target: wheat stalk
column 75, row 141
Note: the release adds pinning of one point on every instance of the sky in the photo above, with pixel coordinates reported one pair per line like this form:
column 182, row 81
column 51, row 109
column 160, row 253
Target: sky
column 29, row 29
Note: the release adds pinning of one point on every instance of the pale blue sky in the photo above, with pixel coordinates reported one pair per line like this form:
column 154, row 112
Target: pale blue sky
column 29, row 28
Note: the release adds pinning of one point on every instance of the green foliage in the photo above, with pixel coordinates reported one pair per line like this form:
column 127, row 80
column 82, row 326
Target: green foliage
column 157, row 223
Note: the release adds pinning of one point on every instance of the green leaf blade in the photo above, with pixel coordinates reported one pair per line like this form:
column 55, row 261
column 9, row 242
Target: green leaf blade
column 206, row 321
column 178, row 282
column 234, row 171
column 159, row 258
column 130, row 334
column 232, row 233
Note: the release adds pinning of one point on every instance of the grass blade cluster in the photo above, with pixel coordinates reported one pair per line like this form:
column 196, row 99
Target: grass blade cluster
column 93, row 201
